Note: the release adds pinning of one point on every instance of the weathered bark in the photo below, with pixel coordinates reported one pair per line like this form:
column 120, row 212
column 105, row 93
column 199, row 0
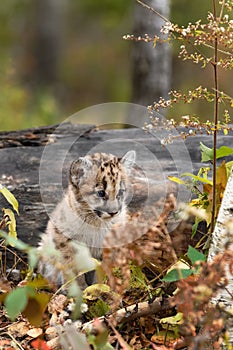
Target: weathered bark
column 21, row 155
column 222, row 239
column 151, row 66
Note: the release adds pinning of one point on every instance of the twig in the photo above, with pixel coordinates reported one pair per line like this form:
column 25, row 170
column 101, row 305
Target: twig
column 219, row 50
column 153, row 10
column 130, row 313
column 14, row 340
column 168, row 21
column 215, row 67
column 121, row 341
column 222, row 9
column 13, row 253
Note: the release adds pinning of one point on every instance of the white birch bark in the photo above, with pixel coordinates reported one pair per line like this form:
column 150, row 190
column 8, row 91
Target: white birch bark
column 222, row 237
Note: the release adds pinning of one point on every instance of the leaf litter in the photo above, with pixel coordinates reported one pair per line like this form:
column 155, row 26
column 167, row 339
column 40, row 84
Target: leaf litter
column 126, row 308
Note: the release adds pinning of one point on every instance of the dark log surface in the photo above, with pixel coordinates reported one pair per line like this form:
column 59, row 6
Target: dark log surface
column 23, row 161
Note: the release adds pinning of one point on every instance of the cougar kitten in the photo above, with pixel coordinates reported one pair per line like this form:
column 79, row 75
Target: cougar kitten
column 94, row 201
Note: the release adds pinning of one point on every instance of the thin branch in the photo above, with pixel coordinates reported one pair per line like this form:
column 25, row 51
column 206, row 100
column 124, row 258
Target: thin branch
column 153, row 10
column 13, row 339
column 216, row 111
column 130, row 313
column 222, row 9
column 224, row 94
column 219, row 50
column 196, row 49
column 168, row 21
column 120, row 339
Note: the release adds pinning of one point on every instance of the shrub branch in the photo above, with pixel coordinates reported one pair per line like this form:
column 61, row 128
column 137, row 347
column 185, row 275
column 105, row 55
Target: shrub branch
column 216, row 112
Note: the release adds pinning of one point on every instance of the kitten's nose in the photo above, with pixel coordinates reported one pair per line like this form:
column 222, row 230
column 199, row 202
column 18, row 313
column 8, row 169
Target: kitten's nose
column 113, row 214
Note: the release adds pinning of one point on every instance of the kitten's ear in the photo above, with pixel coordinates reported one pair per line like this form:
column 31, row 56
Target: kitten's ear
column 128, row 159
column 78, row 169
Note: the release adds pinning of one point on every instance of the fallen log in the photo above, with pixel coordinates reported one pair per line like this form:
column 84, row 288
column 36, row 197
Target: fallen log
column 22, row 153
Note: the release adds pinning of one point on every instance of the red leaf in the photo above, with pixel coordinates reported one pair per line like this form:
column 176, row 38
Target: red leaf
column 40, row 344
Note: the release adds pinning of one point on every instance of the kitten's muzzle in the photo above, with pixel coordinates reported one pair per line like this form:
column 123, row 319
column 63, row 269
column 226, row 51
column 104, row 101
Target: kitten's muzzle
column 104, row 214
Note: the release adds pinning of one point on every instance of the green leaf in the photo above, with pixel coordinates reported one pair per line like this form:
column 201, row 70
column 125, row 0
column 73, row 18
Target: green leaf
column 194, row 255
column 98, row 344
column 172, row 323
column 198, row 178
column 198, row 32
column 177, row 274
column 206, row 153
column 137, row 277
column 101, row 339
column 224, row 151
column 99, row 308
column 37, row 283
column 96, row 291
column 177, row 180
column 32, row 257
column 11, row 223
column 108, row 346
column 16, row 302
column 229, row 165
column 172, row 320
column 10, row 198
column 194, row 228
column 14, row 242
column 204, row 171
column 34, row 310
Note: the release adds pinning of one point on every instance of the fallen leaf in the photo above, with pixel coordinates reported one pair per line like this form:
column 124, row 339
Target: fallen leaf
column 159, row 338
column 40, row 344
column 5, row 285
column 54, row 343
column 57, row 304
column 18, row 329
column 34, row 310
column 51, row 333
column 35, row 332
column 6, row 344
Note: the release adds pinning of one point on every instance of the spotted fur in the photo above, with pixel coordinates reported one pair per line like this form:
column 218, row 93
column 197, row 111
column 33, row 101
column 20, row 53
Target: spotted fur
column 94, row 201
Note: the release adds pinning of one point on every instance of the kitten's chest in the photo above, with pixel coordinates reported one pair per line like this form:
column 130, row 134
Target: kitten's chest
column 73, row 229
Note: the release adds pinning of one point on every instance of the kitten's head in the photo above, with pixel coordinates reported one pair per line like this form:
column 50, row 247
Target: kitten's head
column 101, row 182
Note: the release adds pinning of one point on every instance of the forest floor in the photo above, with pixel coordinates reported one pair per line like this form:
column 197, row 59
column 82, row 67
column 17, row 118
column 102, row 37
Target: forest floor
column 132, row 309
column 132, row 306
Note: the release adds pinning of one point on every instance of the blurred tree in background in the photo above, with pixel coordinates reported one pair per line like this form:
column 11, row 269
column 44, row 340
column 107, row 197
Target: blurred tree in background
column 59, row 56
column 151, row 68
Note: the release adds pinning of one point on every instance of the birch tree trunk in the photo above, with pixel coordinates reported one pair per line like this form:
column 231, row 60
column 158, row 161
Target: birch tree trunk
column 222, row 238
column 151, row 66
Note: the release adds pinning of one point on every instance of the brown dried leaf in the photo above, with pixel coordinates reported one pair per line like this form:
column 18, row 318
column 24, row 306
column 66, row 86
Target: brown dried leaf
column 57, row 304
column 146, row 242
column 6, row 344
column 19, row 329
column 5, row 285
column 51, row 333
column 35, row 332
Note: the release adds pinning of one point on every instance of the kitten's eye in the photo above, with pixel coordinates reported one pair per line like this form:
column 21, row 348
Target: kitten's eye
column 121, row 192
column 101, row 193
